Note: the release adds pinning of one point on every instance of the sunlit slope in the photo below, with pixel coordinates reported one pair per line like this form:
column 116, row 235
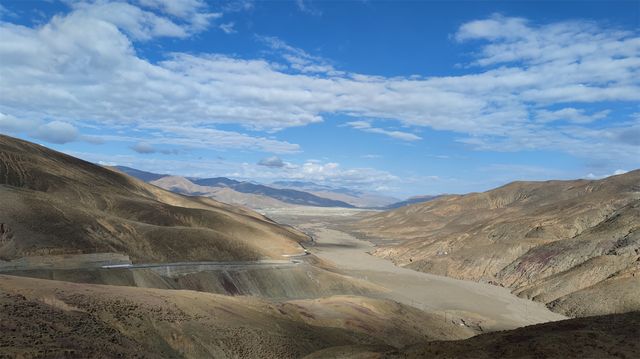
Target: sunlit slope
column 545, row 240
column 53, row 203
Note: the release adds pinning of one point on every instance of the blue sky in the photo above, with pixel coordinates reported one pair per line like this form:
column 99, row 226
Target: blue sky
column 405, row 98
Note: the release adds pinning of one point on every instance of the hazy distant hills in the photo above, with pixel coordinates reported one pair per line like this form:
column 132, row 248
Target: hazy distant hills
column 574, row 245
column 221, row 193
column 53, row 203
column 411, row 200
column 355, row 198
column 253, row 195
column 245, row 193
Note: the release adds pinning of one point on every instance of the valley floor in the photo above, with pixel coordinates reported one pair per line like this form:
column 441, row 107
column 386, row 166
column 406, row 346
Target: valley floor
column 483, row 307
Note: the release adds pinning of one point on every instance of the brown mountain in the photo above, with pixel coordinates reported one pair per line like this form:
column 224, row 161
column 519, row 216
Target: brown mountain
column 564, row 243
column 53, row 203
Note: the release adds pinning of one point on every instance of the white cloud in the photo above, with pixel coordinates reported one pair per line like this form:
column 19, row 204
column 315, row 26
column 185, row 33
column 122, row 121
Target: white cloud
column 570, row 114
column 204, row 138
column 177, row 8
column 11, row 124
column 307, row 7
column 329, row 173
column 615, row 173
column 228, row 28
column 137, row 23
column 495, row 28
column 83, row 66
column 366, row 127
column 299, row 59
column 194, row 12
column 56, row 132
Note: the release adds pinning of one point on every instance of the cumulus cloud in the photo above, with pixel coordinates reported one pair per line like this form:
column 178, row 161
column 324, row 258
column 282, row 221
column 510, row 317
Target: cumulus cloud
column 367, row 127
column 56, row 132
column 522, row 69
column 11, row 124
column 274, row 162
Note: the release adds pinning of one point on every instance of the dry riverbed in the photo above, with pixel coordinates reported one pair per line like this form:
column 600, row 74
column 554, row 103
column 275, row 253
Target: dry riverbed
column 483, row 307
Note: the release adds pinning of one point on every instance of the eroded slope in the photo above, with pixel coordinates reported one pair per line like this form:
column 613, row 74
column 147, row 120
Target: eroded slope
column 57, row 204
column 544, row 240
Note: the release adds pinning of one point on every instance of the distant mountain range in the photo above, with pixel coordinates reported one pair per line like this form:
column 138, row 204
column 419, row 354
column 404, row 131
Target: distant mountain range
column 356, row 198
column 236, row 192
column 276, row 194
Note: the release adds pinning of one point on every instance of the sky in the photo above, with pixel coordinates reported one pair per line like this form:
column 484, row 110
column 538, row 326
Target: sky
column 397, row 97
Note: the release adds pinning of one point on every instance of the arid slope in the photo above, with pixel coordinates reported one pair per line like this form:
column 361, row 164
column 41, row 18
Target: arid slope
column 550, row 241
column 53, row 203
column 60, row 319
column 598, row 337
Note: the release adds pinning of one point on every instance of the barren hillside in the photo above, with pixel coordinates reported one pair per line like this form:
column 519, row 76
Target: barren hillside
column 551, row 241
column 82, row 320
column 53, row 203
column 607, row 336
